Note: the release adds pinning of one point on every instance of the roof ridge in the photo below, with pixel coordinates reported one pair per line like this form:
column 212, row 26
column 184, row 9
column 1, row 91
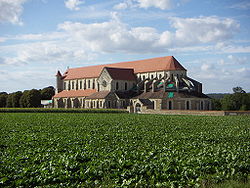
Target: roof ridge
column 120, row 62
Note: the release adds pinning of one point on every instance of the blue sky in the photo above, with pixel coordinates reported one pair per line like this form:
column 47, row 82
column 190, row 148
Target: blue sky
column 210, row 38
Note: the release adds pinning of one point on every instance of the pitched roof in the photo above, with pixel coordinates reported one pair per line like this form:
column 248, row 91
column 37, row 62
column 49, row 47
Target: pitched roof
column 147, row 65
column 121, row 73
column 164, row 95
column 99, row 95
column 75, row 93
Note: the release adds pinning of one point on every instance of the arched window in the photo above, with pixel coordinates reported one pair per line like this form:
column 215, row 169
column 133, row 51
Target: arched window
column 170, row 106
column 93, row 85
column 64, row 86
column 126, row 86
column 80, row 84
column 69, row 86
column 187, row 105
column 73, row 85
column 84, row 87
column 117, row 85
column 143, row 77
column 153, row 104
column 172, row 77
column 202, row 105
column 152, row 76
column 89, row 84
column 159, row 75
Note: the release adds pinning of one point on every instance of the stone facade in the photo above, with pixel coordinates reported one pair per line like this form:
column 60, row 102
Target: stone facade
column 164, row 85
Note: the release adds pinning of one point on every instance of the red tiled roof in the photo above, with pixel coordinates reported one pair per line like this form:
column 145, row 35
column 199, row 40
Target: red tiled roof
column 121, row 74
column 147, row 65
column 75, row 93
column 99, row 95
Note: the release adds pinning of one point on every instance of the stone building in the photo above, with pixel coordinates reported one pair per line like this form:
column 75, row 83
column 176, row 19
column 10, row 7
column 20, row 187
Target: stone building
column 157, row 83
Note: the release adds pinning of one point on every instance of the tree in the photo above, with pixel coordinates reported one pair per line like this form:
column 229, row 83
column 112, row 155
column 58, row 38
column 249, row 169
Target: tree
column 3, row 98
column 30, row 98
column 9, row 101
column 47, row 93
column 216, row 104
column 23, row 102
column 238, row 89
column 34, row 98
column 236, row 101
column 16, row 98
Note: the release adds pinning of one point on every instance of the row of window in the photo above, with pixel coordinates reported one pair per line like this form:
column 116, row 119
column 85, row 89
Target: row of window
column 72, row 85
column 187, row 105
column 160, row 76
column 125, row 86
column 107, row 104
column 88, row 85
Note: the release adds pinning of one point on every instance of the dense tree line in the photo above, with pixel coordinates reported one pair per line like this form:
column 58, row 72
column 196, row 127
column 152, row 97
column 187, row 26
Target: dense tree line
column 27, row 98
column 239, row 100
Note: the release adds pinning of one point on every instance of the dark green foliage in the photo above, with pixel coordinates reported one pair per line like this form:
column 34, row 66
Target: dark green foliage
column 216, row 104
column 3, row 99
column 47, row 93
column 122, row 150
column 13, row 99
column 23, row 100
column 31, row 98
column 236, row 101
column 238, row 90
column 9, row 101
column 16, row 98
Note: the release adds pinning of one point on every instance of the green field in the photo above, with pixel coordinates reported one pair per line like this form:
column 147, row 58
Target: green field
column 119, row 150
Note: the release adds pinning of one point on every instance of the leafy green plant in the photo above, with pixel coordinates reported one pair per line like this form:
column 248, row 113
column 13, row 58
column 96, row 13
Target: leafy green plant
column 122, row 150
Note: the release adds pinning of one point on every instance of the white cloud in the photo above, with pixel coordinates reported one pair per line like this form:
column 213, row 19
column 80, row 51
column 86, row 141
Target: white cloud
column 161, row 4
column 11, row 11
column 207, row 67
column 48, row 52
column 124, row 5
column 73, row 4
column 244, row 5
column 115, row 36
column 202, row 30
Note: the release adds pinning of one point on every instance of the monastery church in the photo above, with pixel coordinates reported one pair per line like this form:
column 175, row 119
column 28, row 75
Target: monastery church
column 158, row 83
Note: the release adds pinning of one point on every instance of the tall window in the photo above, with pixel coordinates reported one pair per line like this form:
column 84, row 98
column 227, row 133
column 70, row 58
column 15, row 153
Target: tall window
column 69, row 85
column 170, row 106
column 89, row 84
column 80, row 84
column 202, row 105
column 64, row 86
column 126, row 85
column 117, row 85
column 143, row 77
column 152, row 76
column 188, row 105
column 73, row 85
column 159, row 75
column 93, row 85
column 84, row 84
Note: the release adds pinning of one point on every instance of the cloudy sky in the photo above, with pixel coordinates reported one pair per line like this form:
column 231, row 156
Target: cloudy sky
column 210, row 38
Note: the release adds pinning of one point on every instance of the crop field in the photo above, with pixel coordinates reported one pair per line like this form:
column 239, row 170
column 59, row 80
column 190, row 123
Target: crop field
column 122, row 150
